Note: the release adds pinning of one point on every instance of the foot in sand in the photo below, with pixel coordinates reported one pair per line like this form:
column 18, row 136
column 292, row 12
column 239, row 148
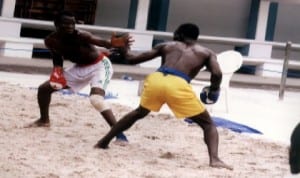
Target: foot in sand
column 220, row 164
column 122, row 137
column 121, row 140
column 38, row 123
column 101, row 144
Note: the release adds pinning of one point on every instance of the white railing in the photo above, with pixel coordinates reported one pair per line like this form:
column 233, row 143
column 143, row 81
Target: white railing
column 48, row 25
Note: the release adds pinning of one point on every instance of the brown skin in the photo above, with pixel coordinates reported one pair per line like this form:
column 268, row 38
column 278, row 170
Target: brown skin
column 294, row 154
column 77, row 46
column 188, row 57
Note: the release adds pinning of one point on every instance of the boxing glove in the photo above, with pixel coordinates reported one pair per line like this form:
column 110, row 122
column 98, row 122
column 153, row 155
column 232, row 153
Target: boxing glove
column 120, row 40
column 57, row 79
column 209, row 97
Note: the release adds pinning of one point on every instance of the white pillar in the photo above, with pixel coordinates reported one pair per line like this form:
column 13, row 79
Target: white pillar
column 142, row 14
column 10, row 29
column 13, row 49
column 262, row 20
column 143, row 42
column 8, row 8
column 261, row 50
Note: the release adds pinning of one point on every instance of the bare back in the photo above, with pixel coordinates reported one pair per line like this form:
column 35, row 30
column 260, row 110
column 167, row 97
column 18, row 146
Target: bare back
column 188, row 58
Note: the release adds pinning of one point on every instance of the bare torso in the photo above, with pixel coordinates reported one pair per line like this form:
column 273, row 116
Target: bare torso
column 74, row 47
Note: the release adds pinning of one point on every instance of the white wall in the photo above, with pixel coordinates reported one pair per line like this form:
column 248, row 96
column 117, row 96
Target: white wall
column 288, row 24
column 287, row 28
column 217, row 18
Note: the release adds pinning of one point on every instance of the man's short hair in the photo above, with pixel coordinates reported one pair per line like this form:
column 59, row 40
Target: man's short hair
column 189, row 30
column 58, row 17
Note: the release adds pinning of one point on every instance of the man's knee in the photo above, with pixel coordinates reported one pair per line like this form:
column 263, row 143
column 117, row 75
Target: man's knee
column 203, row 119
column 141, row 112
column 45, row 88
column 98, row 102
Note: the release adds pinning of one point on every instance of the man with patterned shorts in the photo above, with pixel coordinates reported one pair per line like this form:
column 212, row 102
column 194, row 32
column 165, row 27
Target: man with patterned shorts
column 91, row 67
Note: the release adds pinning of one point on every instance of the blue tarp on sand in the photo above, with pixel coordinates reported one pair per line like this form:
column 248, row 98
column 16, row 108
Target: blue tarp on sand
column 234, row 126
column 108, row 95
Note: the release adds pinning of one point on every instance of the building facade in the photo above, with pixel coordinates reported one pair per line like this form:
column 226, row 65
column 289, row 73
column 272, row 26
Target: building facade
column 260, row 20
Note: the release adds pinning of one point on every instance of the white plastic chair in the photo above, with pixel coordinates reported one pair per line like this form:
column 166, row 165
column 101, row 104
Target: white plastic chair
column 229, row 61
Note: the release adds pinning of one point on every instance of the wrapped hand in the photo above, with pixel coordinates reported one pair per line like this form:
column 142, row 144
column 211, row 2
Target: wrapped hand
column 209, row 97
column 121, row 41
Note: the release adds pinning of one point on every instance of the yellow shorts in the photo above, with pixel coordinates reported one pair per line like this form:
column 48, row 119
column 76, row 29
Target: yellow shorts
column 172, row 90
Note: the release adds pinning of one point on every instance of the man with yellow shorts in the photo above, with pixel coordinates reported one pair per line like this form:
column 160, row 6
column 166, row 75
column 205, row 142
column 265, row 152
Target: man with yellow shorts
column 182, row 59
column 160, row 88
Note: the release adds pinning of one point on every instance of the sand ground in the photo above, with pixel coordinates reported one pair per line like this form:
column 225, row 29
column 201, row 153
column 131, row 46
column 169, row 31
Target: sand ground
column 160, row 146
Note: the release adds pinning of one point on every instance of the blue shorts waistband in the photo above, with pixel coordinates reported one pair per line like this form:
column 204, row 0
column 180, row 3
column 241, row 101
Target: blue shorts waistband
column 167, row 70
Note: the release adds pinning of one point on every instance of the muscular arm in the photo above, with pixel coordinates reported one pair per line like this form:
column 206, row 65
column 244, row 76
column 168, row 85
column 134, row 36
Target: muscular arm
column 93, row 39
column 56, row 57
column 134, row 58
column 216, row 73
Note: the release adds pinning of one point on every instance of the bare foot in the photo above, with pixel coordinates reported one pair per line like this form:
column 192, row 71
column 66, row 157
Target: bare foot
column 101, row 145
column 38, row 123
column 220, row 164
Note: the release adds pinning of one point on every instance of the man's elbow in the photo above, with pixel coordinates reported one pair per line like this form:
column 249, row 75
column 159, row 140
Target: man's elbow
column 132, row 62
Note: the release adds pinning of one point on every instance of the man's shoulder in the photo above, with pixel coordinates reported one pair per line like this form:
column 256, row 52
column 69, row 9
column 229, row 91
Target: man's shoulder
column 51, row 39
column 167, row 43
column 51, row 36
column 83, row 33
column 201, row 48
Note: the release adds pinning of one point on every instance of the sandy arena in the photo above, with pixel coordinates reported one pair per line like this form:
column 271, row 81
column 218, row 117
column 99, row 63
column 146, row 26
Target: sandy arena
column 160, row 146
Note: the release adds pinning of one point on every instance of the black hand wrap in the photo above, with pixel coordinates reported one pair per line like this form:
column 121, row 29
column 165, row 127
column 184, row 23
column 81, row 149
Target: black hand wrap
column 117, row 56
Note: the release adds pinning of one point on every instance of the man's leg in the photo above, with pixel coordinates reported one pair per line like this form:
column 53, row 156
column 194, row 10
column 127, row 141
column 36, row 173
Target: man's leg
column 101, row 106
column 44, row 98
column 211, row 138
column 97, row 100
column 125, row 123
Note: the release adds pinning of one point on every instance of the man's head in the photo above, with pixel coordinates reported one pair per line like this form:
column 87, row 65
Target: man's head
column 65, row 22
column 186, row 31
